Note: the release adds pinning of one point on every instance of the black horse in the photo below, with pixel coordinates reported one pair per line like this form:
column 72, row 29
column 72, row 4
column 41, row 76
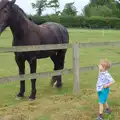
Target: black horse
column 25, row 32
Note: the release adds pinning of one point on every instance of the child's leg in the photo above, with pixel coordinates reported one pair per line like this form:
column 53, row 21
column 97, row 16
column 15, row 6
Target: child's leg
column 100, row 116
column 101, row 102
column 106, row 105
column 100, row 108
column 107, row 108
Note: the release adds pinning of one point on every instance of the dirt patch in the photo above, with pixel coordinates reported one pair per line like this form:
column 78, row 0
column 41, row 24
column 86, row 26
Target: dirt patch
column 61, row 107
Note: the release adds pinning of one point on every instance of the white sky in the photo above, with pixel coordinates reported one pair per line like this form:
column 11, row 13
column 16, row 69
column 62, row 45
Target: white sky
column 26, row 5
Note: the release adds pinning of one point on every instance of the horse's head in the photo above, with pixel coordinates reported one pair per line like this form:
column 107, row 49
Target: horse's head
column 5, row 13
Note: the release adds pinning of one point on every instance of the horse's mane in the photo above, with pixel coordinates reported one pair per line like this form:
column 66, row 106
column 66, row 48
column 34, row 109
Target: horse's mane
column 19, row 10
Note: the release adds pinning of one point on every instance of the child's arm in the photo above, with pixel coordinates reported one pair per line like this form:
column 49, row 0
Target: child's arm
column 110, row 79
column 105, row 86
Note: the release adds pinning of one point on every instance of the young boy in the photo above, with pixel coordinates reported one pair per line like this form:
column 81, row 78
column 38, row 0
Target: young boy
column 105, row 80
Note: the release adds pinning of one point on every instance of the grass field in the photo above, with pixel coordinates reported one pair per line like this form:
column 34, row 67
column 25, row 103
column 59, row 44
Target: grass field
column 54, row 104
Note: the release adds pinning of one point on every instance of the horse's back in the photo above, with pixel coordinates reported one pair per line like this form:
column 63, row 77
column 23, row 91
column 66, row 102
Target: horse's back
column 56, row 31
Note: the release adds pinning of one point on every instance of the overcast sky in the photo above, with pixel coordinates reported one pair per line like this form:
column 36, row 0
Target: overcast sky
column 26, row 5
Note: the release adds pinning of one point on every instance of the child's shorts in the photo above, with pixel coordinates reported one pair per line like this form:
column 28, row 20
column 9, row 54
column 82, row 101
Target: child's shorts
column 103, row 95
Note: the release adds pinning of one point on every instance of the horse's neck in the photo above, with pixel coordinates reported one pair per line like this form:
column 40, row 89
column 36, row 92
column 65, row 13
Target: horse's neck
column 19, row 26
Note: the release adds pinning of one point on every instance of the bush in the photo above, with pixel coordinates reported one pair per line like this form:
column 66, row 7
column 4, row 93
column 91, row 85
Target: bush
column 79, row 21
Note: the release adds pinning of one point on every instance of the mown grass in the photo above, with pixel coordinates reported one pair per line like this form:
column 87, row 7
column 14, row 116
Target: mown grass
column 61, row 104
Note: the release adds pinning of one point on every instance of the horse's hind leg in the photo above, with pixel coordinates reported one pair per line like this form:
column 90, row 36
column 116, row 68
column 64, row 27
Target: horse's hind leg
column 21, row 66
column 58, row 61
column 54, row 59
column 33, row 66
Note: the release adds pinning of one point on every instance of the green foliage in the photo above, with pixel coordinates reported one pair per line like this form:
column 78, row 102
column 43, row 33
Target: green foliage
column 40, row 6
column 100, row 10
column 80, row 21
column 38, row 19
column 69, row 9
column 54, row 4
column 105, row 8
column 101, row 2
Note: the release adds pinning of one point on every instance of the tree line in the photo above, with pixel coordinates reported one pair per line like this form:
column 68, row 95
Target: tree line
column 103, row 8
column 96, row 14
column 41, row 5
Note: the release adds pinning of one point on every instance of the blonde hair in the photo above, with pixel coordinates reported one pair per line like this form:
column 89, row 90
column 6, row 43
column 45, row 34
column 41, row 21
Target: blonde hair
column 105, row 63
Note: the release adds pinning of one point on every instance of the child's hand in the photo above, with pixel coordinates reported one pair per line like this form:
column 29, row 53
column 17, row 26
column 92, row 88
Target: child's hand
column 105, row 86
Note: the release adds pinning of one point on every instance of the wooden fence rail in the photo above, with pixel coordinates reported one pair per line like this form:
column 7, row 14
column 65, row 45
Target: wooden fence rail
column 55, row 47
column 49, row 74
column 76, row 69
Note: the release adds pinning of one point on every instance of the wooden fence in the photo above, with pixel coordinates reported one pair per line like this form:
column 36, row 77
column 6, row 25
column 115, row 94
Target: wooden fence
column 76, row 58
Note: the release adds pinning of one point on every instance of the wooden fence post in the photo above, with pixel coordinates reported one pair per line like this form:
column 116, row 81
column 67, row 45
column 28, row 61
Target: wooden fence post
column 76, row 71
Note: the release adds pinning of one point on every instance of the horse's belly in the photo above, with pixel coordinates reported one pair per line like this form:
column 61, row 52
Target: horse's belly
column 44, row 54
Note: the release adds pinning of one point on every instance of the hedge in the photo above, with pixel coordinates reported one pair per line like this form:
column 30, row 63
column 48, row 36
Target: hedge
column 79, row 21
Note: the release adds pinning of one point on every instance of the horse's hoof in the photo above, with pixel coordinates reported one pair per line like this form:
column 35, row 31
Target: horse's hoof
column 20, row 95
column 31, row 99
column 54, row 84
column 58, row 85
column 18, row 98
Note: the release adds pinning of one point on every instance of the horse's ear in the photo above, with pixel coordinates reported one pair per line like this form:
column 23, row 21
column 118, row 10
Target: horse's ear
column 12, row 1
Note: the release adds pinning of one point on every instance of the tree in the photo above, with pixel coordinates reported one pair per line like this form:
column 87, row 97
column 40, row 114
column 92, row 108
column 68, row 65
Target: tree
column 69, row 9
column 101, row 2
column 101, row 10
column 116, row 10
column 54, row 4
column 40, row 6
column 106, row 8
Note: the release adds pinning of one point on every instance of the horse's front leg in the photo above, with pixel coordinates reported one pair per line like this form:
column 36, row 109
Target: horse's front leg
column 33, row 65
column 21, row 66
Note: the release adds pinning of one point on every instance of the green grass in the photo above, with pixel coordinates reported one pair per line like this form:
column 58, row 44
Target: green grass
column 54, row 104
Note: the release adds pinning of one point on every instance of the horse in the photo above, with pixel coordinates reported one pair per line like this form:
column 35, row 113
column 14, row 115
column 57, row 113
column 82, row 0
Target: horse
column 25, row 32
